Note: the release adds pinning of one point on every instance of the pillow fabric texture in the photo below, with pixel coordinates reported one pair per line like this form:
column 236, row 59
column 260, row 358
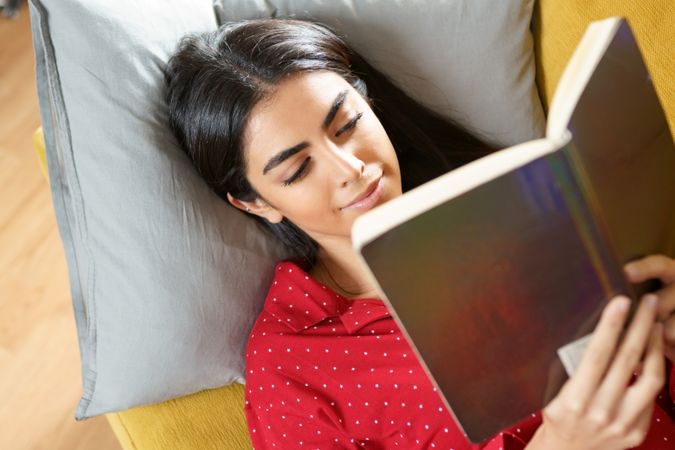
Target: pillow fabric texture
column 166, row 278
column 469, row 60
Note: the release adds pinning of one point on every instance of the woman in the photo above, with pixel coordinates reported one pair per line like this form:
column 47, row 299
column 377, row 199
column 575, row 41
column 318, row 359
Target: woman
column 291, row 126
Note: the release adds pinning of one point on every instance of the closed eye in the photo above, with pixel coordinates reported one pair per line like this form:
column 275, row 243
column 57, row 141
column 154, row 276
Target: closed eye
column 299, row 173
column 349, row 125
column 302, row 170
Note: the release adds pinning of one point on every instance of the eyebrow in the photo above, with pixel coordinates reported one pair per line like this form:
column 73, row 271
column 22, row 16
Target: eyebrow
column 285, row 154
column 335, row 107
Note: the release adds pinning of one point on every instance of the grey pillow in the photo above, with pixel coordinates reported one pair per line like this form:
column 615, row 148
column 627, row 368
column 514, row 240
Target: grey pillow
column 166, row 279
column 470, row 60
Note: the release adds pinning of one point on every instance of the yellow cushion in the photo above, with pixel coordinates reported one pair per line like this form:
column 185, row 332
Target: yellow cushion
column 559, row 25
column 211, row 419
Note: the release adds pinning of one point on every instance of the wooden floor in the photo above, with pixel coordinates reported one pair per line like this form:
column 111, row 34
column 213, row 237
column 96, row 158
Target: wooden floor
column 40, row 380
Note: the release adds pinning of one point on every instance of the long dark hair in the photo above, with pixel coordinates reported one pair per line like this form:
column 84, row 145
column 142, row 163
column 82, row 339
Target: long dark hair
column 215, row 78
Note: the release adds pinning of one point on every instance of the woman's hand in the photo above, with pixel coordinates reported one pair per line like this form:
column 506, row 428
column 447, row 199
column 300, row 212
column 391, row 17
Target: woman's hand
column 596, row 409
column 663, row 268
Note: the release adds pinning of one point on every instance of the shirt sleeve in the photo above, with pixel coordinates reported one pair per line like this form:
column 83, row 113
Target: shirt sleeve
column 517, row 437
column 504, row 441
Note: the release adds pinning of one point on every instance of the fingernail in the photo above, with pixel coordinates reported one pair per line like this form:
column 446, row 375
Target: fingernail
column 621, row 304
column 652, row 300
column 630, row 270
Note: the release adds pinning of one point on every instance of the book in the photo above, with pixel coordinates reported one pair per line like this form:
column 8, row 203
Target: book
column 497, row 271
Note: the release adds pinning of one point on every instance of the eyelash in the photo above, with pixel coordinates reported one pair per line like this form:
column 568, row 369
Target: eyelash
column 349, row 125
column 301, row 172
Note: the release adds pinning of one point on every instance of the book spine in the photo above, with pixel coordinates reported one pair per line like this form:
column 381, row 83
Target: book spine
column 591, row 226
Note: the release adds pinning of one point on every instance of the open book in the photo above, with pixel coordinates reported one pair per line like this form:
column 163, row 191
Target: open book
column 497, row 270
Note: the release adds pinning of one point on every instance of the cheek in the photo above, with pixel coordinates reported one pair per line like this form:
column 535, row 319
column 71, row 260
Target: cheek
column 308, row 203
column 379, row 142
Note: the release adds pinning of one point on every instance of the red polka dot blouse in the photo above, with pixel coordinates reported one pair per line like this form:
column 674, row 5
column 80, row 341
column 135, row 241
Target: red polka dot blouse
column 326, row 372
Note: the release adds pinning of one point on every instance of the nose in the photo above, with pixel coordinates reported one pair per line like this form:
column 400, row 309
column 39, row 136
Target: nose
column 349, row 167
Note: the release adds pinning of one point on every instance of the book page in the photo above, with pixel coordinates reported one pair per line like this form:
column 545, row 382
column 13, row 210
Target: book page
column 579, row 69
column 623, row 153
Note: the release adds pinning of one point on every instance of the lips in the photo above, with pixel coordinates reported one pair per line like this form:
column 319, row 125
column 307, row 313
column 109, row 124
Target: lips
column 372, row 187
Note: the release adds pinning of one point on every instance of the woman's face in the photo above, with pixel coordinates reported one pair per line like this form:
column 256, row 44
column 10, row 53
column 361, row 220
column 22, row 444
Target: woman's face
column 313, row 151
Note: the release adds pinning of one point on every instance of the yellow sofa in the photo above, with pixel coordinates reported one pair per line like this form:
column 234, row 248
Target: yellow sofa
column 214, row 419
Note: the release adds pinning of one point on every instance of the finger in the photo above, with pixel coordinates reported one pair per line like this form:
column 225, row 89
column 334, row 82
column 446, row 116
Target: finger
column 669, row 338
column 640, row 396
column 669, row 331
column 652, row 266
column 614, row 385
column 666, row 301
column 638, row 370
column 580, row 387
column 637, row 431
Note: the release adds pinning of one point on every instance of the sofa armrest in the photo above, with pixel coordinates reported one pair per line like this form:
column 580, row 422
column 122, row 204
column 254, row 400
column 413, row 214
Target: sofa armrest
column 558, row 27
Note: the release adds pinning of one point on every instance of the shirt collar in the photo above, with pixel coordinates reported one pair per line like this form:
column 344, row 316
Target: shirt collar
column 299, row 301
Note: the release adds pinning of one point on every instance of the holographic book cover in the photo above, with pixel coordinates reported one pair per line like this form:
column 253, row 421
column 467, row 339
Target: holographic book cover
column 489, row 284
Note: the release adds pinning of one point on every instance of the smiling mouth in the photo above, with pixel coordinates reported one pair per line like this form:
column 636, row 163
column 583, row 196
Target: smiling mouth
column 369, row 197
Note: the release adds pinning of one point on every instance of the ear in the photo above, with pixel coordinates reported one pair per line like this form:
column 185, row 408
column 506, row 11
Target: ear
column 258, row 207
